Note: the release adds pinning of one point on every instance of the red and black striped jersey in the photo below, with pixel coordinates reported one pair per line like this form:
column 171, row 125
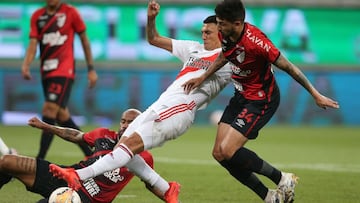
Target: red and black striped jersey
column 252, row 56
column 105, row 187
column 55, row 34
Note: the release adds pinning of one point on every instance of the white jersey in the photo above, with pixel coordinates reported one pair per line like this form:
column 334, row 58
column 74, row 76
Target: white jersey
column 174, row 111
column 196, row 61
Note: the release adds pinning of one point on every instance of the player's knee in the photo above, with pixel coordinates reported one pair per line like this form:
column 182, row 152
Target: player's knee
column 50, row 110
column 217, row 155
column 226, row 153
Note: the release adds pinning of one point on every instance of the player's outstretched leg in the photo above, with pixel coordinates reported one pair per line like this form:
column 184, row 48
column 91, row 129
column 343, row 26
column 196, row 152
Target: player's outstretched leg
column 68, row 174
column 287, row 185
column 172, row 194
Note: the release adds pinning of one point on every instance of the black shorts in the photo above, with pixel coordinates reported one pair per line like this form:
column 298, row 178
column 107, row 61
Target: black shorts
column 249, row 116
column 45, row 183
column 57, row 90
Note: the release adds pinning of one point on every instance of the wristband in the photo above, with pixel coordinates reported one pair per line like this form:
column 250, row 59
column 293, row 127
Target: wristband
column 90, row 68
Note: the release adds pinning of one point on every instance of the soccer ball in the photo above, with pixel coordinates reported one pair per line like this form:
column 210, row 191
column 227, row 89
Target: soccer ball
column 64, row 195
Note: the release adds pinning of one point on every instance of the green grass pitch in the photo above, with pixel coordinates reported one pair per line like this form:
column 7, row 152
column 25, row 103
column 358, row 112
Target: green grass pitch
column 327, row 160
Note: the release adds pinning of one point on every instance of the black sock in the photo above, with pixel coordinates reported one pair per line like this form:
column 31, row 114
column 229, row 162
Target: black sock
column 69, row 124
column 247, row 178
column 271, row 172
column 247, row 159
column 46, row 138
column 84, row 147
column 251, row 161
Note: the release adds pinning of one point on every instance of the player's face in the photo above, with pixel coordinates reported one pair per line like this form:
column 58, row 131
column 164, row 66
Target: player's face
column 52, row 3
column 210, row 36
column 228, row 29
column 126, row 119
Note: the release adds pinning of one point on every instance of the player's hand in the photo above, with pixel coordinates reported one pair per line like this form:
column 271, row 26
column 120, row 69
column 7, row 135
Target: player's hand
column 192, row 84
column 25, row 71
column 35, row 122
column 153, row 9
column 92, row 77
column 325, row 102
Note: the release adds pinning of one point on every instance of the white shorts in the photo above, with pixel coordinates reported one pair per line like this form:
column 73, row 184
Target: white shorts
column 155, row 129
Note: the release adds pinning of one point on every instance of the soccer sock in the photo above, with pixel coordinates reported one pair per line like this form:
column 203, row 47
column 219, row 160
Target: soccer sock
column 118, row 158
column 251, row 161
column 271, row 172
column 246, row 159
column 140, row 168
column 247, row 178
column 4, row 149
column 46, row 138
column 84, row 147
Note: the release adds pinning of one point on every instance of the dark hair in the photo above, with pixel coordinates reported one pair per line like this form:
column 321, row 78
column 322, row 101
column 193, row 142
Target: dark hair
column 210, row 19
column 230, row 10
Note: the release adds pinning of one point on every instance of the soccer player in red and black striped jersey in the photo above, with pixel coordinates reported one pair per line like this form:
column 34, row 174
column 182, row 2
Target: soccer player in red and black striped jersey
column 35, row 175
column 53, row 28
column 255, row 100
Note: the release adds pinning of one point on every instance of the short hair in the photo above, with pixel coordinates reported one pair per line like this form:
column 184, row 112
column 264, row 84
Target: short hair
column 210, row 19
column 230, row 10
column 131, row 110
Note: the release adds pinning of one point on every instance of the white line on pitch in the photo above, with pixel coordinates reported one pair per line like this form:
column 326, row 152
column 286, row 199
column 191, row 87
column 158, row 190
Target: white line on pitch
column 308, row 166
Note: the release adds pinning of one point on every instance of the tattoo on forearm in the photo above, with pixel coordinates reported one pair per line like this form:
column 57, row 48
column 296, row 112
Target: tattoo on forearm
column 301, row 78
column 70, row 133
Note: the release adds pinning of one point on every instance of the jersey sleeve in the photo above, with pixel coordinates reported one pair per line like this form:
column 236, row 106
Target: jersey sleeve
column 78, row 23
column 269, row 51
column 33, row 28
column 183, row 48
column 92, row 136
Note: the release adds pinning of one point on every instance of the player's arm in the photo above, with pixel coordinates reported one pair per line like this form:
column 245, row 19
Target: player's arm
column 92, row 75
column 193, row 83
column 153, row 36
column 29, row 57
column 285, row 65
column 69, row 134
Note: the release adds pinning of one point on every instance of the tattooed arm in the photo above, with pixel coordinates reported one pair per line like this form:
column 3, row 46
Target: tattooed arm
column 322, row 101
column 69, row 134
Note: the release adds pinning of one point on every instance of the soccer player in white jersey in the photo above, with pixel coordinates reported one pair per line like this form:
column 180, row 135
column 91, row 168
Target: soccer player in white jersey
column 174, row 111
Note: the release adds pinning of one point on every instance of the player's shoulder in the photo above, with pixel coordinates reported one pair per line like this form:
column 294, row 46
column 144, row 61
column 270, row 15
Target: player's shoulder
column 187, row 43
column 39, row 11
column 68, row 7
column 101, row 132
column 252, row 31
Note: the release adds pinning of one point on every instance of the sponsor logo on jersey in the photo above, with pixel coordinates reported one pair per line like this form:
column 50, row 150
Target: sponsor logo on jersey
column 114, row 175
column 256, row 40
column 198, row 63
column 44, row 17
column 54, row 38
column 91, row 186
column 237, row 70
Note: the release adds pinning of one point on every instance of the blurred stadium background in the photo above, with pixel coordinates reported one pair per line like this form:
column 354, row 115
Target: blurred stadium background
column 321, row 37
